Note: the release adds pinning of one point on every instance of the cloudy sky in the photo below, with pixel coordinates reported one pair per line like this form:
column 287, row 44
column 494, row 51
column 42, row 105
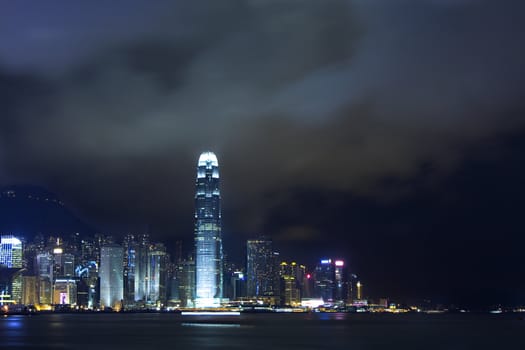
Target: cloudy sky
column 385, row 132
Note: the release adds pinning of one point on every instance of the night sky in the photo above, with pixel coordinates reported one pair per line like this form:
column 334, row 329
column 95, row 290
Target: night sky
column 388, row 133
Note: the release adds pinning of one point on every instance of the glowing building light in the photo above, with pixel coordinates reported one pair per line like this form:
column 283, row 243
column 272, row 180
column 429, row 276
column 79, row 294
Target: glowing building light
column 208, row 237
column 339, row 263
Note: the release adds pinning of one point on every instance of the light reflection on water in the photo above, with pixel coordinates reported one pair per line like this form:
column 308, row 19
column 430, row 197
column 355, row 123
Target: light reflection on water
column 219, row 325
column 12, row 330
column 14, row 322
column 332, row 316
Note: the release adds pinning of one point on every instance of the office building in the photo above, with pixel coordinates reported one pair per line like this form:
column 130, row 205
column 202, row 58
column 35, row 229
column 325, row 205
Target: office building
column 130, row 257
column 157, row 263
column 260, row 268
column 11, row 258
column 141, row 277
column 29, row 293
column 10, row 251
column 325, row 280
column 44, row 272
column 341, row 283
column 186, row 273
column 111, row 276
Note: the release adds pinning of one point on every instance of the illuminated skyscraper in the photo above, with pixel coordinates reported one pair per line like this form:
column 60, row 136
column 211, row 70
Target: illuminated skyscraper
column 340, row 282
column 11, row 258
column 157, row 263
column 208, row 237
column 111, row 275
column 29, row 292
column 44, row 270
column 325, row 280
column 141, row 268
column 291, row 280
column 10, row 251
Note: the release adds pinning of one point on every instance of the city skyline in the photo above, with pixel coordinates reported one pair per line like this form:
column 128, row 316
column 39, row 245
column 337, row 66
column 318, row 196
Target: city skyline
column 83, row 272
column 96, row 273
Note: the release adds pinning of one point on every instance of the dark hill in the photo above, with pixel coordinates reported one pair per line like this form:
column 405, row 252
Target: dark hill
column 27, row 210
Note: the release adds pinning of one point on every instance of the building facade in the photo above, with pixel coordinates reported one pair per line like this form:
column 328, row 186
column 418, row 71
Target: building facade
column 157, row 263
column 331, row 283
column 11, row 258
column 111, row 276
column 260, row 268
column 10, row 251
column 208, row 236
column 325, row 280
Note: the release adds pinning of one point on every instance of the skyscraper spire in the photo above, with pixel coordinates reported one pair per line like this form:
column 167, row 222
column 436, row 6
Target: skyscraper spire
column 208, row 237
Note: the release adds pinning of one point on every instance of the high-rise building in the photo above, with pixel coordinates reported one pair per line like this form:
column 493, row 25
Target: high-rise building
column 341, row 283
column 88, row 251
column 157, row 261
column 87, row 276
column 29, row 295
column 129, row 270
column 111, row 276
column 352, row 288
column 141, row 277
column 237, row 285
column 291, row 280
column 10, row 251
column 67, row 264
column 325, row 280
column 11, row 258
column 260, row 268
column 208, row 236
column 44, row 271
column 141, row 272
column 186, row 271
column 331, row 282
column 289, row 291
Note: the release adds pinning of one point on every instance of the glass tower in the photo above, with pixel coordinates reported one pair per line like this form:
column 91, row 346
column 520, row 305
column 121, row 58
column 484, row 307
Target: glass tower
column 208, row 238
column 11, row 257
column 10, row 251
column 325, row 280
column 111, row 276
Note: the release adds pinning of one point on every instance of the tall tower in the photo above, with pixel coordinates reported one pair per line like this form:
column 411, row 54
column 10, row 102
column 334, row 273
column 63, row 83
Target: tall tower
column 208, row 237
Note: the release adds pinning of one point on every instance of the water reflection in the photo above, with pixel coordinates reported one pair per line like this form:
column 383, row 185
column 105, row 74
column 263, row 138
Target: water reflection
column 223, row 325
column 339, row 316
column 14, row 322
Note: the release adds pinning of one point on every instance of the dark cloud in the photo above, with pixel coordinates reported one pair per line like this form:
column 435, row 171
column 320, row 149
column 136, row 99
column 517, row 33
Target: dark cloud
column 345, row 98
